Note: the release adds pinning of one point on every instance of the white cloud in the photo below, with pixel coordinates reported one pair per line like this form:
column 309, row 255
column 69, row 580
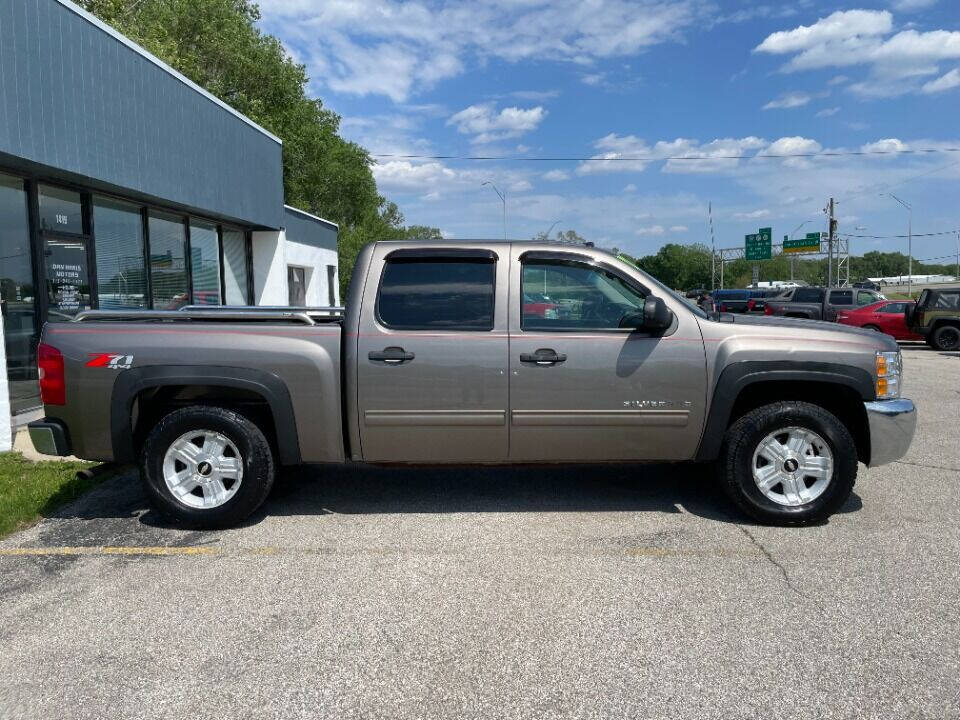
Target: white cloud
column 678, row 228
column 556, row 175
column 897, row 61
column 629, row 188
column 945, row 82
column 837, row 80
column 789, row 100
column 396, row 48
column 752, row 215
column 794, row 146
column 828, row 112
column 592, row 79
column 887, row 145
column 405, row 175
column 621, row 151
column 649, row 230
column 520, row 186
column 487, row 125
column 912, row 5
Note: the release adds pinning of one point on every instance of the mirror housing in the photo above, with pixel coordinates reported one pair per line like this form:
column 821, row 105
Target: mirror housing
column 655, row 316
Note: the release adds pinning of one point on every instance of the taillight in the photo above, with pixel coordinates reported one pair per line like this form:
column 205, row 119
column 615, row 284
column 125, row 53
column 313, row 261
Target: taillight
column 751, row 304
column 53, row 387
column 768, row 310
column 722, row 308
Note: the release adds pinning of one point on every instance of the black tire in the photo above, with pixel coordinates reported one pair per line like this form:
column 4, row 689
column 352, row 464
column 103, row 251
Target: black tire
column 256, row 460
column 744, row 436
column 946, row 338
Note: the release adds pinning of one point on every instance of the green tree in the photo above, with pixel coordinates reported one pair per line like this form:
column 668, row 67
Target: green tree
column 217, row 44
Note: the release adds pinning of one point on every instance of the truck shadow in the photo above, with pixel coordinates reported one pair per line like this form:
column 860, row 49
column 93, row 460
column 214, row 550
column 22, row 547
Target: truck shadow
column 372, row 490
column 686, row 488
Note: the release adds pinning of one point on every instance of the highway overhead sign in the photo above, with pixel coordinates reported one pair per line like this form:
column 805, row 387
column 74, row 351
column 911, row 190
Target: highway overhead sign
column 757, row 246
column 810, row 243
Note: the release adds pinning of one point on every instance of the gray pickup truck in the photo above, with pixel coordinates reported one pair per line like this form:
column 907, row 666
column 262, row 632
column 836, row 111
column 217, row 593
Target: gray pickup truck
column 816, row 303
column 474, row 352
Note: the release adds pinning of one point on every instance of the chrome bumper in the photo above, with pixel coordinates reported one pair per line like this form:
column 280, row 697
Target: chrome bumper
column 892, row 423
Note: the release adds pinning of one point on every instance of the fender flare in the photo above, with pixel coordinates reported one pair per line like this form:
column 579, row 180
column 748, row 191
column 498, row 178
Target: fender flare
column 131, row 383
column 737, row 376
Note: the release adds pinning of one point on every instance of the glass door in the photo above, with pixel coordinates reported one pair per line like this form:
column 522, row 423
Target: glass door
column 17, row 296
column 67, row 276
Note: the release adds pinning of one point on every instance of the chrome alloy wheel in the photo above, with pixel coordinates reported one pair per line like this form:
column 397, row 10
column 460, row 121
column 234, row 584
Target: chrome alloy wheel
column 792, row 466
column 202, row 469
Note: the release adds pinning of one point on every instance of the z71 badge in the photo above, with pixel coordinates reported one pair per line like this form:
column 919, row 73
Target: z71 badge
column 110, row 360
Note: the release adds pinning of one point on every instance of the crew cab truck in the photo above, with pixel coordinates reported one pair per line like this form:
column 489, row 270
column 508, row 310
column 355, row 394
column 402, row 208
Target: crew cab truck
column 815, row 303
column 436, row 360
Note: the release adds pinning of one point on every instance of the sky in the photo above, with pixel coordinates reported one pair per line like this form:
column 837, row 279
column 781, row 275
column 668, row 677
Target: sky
column 685, row 93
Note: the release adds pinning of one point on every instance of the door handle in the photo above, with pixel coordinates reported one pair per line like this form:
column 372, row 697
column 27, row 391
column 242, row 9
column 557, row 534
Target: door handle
column 543, row 356
column 391, row 355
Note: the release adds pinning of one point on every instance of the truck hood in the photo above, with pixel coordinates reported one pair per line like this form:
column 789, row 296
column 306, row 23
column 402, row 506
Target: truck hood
column 799, row 325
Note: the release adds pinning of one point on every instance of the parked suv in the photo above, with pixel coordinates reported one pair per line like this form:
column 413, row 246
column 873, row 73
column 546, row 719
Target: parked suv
column 936, row 317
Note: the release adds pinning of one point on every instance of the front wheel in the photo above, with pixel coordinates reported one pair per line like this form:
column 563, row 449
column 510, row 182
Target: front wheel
column 788, row 463
column 207, row 467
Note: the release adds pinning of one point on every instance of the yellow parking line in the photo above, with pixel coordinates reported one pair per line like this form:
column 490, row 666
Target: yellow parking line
column 111, row 550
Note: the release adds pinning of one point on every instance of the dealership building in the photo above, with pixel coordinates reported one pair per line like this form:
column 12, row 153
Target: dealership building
column 125, row 185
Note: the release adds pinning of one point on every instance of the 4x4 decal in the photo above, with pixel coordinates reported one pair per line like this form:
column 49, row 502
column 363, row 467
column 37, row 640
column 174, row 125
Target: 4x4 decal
column 113, row 361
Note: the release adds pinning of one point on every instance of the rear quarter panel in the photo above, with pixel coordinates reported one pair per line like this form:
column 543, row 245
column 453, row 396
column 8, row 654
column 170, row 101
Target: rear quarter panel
column 306, row 359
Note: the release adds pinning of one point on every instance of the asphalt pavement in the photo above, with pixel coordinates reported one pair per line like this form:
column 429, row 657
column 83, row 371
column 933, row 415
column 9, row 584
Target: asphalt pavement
column 584, row 592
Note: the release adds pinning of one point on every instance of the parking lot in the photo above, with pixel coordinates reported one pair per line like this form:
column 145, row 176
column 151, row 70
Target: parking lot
column 602, row 591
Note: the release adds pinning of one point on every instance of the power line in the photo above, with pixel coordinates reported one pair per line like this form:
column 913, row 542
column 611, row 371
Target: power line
column 885, row 186
column 657, row 158
column 897, row 237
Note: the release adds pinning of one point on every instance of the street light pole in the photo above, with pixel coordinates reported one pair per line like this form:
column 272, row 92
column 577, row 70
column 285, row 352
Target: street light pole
column 550, row 229
column 792, row 237
column 909, row 243
column 503, row 199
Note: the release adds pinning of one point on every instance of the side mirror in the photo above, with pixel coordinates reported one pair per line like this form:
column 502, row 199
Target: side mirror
column 654, row 316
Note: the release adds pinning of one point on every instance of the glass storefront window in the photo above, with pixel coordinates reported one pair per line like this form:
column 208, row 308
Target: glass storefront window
column 168, row 269
column 60, row 210
column 235, row 267
column 121, row 270
column 205, row 263
column 17, row 296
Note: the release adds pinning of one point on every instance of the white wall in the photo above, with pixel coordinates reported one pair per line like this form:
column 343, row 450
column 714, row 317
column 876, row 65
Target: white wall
column 273, row 252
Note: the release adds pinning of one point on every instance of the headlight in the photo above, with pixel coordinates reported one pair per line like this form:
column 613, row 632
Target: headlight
column 889, row 366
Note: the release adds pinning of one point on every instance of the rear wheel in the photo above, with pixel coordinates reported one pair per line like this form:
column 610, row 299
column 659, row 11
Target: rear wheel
column 788, row 463
column 946, row 338
column 207, row 467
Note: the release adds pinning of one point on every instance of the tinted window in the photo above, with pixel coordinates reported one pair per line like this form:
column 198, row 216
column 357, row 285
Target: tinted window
column 947, row 301
column 808, row 295
column 841, row 297
column 893, row 308
column 437, row 294
column 865, row 298
column 561, row 295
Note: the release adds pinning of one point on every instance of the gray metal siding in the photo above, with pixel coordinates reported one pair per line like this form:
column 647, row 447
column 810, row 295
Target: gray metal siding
column 307, row 230
column 79, row 102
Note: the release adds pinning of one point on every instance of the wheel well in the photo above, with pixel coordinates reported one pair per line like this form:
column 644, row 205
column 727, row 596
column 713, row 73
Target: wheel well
column 937, row 324
column 150, row 405
column 841, row 400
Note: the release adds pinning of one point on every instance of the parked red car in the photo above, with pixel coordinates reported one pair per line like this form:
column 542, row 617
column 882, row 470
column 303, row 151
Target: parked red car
column 886, row 316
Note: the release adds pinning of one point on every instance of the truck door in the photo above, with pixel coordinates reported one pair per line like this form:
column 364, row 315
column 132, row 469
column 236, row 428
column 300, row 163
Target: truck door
column 432, row 356
column 582, row 387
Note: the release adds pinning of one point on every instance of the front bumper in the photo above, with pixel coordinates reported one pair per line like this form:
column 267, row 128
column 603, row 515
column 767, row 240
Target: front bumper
column 49, row 437
column 892, row 424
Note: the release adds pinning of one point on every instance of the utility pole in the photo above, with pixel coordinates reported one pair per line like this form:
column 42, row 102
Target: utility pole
column 957, row 276
column 909, row 242
column 832, row 233
column 713, row 247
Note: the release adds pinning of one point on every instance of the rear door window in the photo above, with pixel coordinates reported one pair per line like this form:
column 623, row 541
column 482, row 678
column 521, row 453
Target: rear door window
column 865, row 297
column 437, row 294
column 808, row 295
column 841, row 297
column 893, row 309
